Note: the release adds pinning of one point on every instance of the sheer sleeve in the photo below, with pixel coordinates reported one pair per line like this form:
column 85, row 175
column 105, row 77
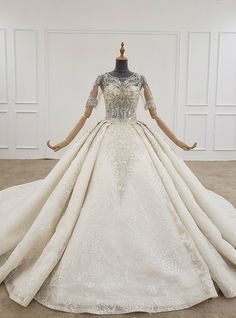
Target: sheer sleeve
column 95, row 93
column 146, row 94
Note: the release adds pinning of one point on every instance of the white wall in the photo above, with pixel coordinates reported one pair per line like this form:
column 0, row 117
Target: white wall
column 51, row 52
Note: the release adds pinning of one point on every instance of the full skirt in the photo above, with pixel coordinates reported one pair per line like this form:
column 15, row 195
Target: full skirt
column 120, row 224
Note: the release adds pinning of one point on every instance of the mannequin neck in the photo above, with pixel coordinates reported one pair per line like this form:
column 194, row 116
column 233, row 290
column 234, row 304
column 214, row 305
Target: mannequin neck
column 121, row 69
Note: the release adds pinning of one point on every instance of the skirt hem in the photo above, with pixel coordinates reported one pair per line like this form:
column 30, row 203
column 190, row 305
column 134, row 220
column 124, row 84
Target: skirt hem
column 148, row 309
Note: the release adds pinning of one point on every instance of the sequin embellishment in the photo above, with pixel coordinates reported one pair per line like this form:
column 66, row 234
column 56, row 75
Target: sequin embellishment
column 122, row 152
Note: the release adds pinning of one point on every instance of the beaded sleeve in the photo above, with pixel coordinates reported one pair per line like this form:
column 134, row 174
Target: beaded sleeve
column 149, row 101
column 95, row 93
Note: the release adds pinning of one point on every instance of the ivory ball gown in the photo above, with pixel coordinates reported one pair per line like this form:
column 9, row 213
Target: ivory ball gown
column 120, row 224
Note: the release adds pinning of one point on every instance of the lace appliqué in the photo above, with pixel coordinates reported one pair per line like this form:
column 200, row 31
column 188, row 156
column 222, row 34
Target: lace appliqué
column 95, row 93
column 150, row 104
column 149, row 101
column 91, row 102
column 122, row 152
column 121, row 96
column 199, row 265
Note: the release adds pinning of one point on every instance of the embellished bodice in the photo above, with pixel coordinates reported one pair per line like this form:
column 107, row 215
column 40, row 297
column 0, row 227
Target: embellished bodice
column 121, row 95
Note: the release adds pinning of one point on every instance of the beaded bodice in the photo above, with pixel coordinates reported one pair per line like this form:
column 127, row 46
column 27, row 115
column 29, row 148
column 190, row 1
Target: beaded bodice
column 121, row 95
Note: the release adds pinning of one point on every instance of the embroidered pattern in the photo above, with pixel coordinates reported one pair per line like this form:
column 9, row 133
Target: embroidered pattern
column 121, row 96
column 122, row 152
column 150, row 104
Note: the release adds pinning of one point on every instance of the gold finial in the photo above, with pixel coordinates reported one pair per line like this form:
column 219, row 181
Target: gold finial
column 122, row 51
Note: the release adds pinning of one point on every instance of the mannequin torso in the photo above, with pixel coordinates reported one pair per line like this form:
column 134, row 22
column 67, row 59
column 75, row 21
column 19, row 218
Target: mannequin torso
column 121, row 69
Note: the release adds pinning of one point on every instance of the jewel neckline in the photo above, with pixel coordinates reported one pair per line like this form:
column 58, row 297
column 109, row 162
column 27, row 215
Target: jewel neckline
column 120, row 78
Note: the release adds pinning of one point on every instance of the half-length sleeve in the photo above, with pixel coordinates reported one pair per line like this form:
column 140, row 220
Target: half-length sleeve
column 146, row 94
column 95, row 93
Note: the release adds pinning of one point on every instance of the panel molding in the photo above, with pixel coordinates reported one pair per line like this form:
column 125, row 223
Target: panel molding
column 214, row 142
column 17, row 101
column 26, row 112
column 4, row 146
column 6, row 68
column 205, row 130
column 217, row 70
column 188, row 103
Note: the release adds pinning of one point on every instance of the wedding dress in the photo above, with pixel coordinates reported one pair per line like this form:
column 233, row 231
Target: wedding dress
column 120, row 224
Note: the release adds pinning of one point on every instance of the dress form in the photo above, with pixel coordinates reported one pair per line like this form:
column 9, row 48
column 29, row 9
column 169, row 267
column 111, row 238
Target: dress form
column 121, row 67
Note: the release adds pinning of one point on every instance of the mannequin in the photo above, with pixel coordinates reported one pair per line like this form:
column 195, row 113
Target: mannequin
column 121, row 70
column 121, row 67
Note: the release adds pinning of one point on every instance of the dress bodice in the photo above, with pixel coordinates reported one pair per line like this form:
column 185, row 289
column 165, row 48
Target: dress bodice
column 121, row 95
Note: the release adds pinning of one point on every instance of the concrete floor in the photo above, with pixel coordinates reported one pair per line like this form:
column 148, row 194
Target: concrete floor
column 217, row 176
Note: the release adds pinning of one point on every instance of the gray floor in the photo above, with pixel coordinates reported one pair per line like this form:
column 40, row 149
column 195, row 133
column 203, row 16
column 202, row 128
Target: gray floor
column 217, row 176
